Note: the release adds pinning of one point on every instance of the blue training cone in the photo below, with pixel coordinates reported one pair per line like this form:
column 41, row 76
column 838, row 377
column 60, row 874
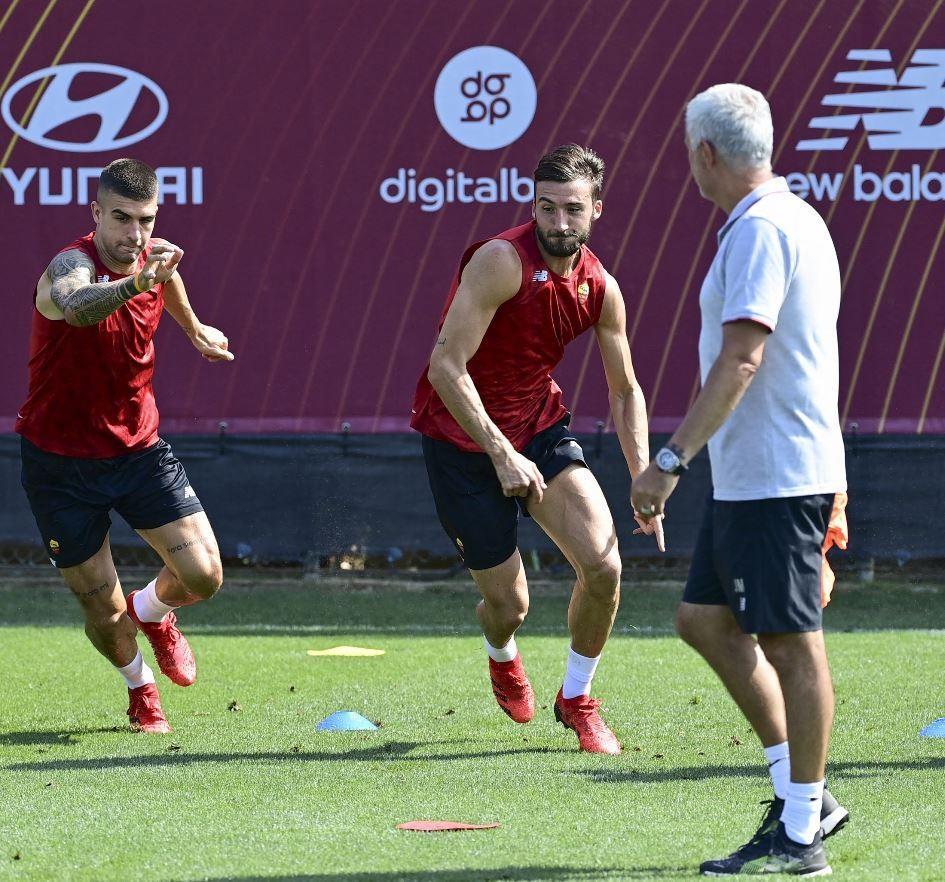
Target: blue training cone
column 343, row 721
column 935, row 729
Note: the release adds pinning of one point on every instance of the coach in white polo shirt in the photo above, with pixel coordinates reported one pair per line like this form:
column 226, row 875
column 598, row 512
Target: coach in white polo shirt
column 768, row 354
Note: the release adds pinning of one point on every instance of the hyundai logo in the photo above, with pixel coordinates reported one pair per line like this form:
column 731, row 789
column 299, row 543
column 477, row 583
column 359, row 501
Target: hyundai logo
column 113, row 107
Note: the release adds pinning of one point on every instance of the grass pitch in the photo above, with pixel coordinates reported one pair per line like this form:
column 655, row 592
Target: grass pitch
column 246, row 789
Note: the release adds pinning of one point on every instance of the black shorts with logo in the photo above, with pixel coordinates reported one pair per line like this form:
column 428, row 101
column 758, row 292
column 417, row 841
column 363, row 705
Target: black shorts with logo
column 479, row 519
column 71, row 497
column 763, row 558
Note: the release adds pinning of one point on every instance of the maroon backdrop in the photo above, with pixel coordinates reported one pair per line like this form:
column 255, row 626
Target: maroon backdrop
column 285, row 120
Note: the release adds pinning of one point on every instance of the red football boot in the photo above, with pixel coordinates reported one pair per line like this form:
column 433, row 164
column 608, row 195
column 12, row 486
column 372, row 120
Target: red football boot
column 512, row 690
column 174, row 656
column 144, row 711
column 580, row 714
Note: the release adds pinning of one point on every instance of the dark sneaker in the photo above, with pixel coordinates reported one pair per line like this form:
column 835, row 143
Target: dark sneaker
column 582, row 714
column 788, row 856
column 754, row 853
column 511, row 689
column 833, row 816
column 771, row 850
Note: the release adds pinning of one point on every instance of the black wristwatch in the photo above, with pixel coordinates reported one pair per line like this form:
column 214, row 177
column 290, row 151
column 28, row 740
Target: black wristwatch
column 667, row 460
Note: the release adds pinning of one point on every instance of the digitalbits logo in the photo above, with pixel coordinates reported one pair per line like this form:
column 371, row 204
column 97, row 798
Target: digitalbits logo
column 485, row 98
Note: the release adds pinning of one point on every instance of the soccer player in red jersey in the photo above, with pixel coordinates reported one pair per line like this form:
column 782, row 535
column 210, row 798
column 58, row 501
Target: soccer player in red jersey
column 495, row 431
column 90, row 439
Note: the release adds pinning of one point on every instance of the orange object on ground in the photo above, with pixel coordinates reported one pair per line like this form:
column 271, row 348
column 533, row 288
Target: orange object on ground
column 443, row 826
column 838, row 533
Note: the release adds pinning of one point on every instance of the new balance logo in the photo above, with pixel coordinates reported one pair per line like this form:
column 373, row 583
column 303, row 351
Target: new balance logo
column 104, row 279
column 189, row 492
column 898, row 110
column 540, row 276
column 739, row 586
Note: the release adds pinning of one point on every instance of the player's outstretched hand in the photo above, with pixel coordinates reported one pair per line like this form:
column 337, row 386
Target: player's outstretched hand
column 160, row 265
column 212, row 344
column 519, row 476
column 651, row 527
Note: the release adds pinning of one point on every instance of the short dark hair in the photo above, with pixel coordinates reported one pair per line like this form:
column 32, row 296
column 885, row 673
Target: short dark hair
column 572, row 162
column 129, row 178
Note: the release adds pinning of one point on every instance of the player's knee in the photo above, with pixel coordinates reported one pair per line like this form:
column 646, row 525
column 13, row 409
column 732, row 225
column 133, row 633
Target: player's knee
column 105, row 623
column 601, row 578
column 707, row 628
column 688, row 626
column 784, row 651
column 512, row 610
column 204, row 581
column 516, row 614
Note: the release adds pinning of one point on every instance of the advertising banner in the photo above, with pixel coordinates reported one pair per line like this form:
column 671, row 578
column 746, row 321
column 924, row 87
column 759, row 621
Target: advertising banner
column 325, row 164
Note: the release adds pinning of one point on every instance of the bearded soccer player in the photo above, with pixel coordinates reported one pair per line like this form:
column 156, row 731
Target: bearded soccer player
column 496, row 435
column 90, row 435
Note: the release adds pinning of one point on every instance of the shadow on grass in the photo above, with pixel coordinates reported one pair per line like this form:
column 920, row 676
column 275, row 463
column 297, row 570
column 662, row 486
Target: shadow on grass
column 498, row 874
column 392, row 751
column 56, row 736
column 701, row 773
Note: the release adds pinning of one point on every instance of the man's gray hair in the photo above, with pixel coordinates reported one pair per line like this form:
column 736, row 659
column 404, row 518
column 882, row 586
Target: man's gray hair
column 736, row 120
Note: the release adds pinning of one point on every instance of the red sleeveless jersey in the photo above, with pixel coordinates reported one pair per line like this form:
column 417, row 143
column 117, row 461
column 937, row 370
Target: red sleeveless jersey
column 90, row 392
column 522, row 345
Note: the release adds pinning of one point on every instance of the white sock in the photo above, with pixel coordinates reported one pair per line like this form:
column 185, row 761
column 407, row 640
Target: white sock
column 148, row 607
column 502, row 654
column 779, row 767
column 578, row 676
column 801, row 815
column 137, row 673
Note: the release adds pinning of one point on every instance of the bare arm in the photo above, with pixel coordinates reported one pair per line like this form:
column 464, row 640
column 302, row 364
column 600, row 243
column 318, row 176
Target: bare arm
column 492, row 276
column 209, row 342
column 626, row 396
column 743, row 345
column 71, row 292
column 178, row 305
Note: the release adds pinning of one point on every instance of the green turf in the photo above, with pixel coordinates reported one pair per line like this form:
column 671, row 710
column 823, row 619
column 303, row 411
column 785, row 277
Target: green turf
column 246, row 788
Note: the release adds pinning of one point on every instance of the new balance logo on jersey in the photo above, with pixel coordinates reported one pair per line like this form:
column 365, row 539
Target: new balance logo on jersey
column 899, row 109
column 189, row 492
column 540, row 276
column 105, row 278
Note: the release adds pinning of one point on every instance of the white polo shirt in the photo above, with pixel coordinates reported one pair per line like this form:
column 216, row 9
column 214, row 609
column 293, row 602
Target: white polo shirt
column 776, row 265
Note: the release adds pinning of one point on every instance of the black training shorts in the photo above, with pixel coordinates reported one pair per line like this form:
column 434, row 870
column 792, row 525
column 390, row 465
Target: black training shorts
column 71, row 497
column 763, row 558
column 479, row 519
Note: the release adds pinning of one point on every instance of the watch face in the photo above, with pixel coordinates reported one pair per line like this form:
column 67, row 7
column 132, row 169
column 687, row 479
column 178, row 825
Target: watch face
column 667, row 461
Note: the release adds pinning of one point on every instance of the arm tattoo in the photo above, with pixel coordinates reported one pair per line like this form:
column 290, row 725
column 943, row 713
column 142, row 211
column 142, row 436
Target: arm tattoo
column 82, row 301
column 441, row 341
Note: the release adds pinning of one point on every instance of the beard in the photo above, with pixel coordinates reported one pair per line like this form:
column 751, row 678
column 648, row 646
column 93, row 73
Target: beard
column 562, row 246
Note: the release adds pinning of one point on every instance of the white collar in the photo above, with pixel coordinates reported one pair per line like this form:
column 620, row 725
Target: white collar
column 775, row 185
